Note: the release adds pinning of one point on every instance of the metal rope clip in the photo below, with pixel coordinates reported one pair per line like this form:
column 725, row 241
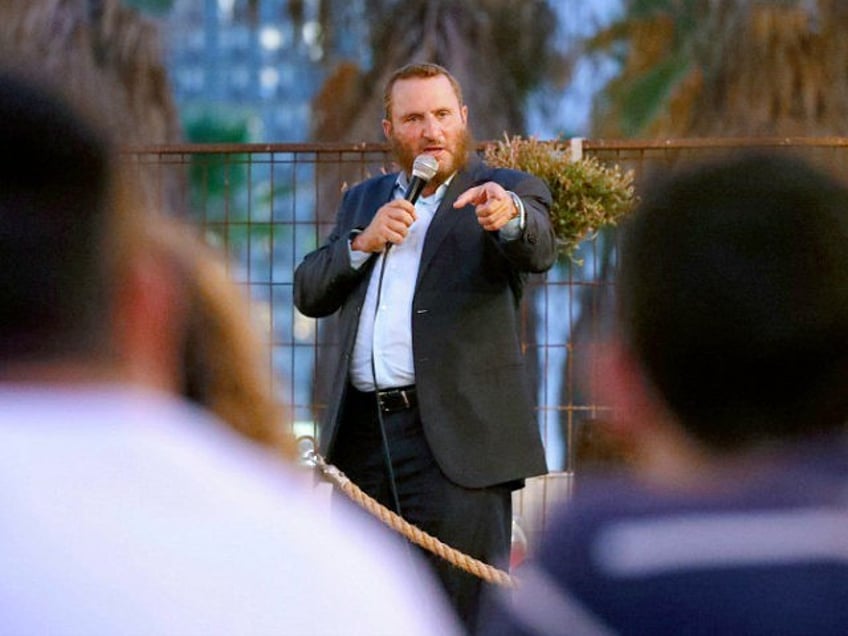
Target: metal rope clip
column 310, row 457
column 306, row 450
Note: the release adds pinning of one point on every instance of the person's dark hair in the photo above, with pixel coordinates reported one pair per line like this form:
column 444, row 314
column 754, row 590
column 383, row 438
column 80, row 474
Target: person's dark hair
column 733, row 295
column 55, row 180
column 417, row 71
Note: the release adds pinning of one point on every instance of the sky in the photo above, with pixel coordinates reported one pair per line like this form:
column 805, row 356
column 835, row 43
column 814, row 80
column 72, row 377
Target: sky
column 572, row 107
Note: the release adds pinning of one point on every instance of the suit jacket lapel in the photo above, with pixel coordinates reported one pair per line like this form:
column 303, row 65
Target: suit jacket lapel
column 446, row 216
column 380, row 194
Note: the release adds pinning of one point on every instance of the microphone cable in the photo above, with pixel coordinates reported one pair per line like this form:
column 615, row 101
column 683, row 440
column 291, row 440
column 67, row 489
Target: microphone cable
column 387, row 453
column 424, row 168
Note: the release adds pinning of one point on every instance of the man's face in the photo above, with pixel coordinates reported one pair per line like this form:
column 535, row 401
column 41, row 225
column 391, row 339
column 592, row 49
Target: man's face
column 426, row 117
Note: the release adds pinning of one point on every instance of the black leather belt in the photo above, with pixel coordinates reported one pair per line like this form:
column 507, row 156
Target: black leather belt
column 394, row 400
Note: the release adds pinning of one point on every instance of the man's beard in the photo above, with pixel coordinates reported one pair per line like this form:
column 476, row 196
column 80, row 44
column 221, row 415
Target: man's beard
column 405, row 157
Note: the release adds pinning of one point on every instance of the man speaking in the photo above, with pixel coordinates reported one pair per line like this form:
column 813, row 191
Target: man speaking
column 431, row 411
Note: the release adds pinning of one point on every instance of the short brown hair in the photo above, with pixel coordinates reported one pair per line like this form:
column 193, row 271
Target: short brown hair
column 421, row 71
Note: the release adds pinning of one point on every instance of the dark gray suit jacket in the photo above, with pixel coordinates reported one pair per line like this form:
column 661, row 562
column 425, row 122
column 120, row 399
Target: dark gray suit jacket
column 474, row 396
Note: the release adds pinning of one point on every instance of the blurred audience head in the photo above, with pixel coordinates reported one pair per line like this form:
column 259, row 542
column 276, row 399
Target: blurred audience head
column 96, row 287
column 57, row 256
column 74, row 298
column 733, row 302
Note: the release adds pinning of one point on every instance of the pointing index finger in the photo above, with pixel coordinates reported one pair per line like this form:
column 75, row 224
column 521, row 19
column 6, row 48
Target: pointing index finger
column 474, row 196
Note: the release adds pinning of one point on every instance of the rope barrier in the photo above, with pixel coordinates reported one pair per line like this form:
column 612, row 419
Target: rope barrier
column 393, row 520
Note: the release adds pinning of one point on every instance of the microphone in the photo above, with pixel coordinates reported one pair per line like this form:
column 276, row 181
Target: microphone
column 424, row 168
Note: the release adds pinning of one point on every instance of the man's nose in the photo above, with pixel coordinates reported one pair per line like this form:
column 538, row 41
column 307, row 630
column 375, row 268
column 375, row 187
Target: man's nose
column 432, row 128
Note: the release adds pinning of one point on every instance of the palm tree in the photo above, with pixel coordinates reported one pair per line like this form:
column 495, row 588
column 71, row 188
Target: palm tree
column 745, row 68
column 105, row 56
column 96, row 48
column 725, row 67
column 499, row 50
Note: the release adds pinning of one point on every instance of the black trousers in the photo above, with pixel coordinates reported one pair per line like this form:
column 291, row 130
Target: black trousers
column 475, row 521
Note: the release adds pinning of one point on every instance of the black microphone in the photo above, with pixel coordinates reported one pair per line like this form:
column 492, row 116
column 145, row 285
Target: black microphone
column 424, row 168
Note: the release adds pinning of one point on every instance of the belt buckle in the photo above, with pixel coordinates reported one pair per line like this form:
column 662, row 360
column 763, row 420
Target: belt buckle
column 383, row 401
column 388, row 400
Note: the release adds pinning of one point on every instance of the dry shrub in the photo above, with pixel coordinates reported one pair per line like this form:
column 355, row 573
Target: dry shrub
column 587, row 194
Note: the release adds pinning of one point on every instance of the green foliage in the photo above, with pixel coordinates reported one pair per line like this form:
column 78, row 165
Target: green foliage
column 587, row 194
column 213, row 124
column 646, row 96
column 217, row 178
column 152, row 7
column 659, row 46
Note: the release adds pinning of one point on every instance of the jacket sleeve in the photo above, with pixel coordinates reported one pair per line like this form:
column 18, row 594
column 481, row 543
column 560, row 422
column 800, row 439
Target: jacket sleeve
column 535, row 250
column 325, row 277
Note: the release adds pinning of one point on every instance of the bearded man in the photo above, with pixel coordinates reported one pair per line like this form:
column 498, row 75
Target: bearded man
column 431, row 411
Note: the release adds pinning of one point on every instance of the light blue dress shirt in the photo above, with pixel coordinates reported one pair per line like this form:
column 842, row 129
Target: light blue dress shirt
column 387, row 330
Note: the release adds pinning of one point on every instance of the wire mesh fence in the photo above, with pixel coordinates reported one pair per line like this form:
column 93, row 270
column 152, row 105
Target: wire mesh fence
column 268, row 205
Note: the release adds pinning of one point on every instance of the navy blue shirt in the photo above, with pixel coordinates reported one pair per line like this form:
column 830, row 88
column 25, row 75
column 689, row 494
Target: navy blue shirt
column 764, row 554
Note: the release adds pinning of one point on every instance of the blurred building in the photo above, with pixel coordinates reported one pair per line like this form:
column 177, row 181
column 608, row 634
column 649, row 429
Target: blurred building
column 259, row 61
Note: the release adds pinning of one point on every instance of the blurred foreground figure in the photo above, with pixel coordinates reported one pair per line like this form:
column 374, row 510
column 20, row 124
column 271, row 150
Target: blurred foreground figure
column 729, row 374
column 226, row 363
column 128, row 509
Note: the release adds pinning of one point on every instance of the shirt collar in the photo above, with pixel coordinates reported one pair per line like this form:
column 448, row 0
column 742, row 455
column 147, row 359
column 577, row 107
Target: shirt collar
column 402, row 183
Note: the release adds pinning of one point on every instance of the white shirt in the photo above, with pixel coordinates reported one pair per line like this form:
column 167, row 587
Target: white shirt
column 387, row 330
column 131, row 513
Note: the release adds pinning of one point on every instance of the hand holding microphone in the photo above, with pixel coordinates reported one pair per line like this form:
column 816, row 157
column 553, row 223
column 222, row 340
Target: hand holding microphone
column 392, row 220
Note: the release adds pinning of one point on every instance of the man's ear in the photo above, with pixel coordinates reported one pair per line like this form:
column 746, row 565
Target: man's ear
column 387, row 129
column 620, row 382
column 151, row 317
column 661, row 448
